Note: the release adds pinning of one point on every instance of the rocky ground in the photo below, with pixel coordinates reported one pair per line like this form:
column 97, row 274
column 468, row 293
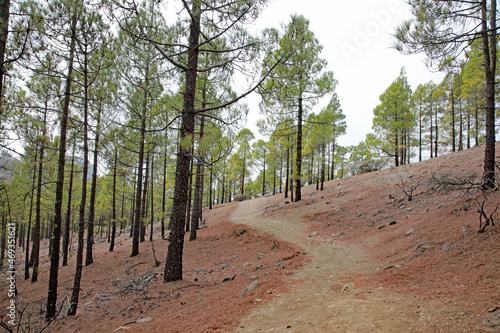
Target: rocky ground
column 355, row 257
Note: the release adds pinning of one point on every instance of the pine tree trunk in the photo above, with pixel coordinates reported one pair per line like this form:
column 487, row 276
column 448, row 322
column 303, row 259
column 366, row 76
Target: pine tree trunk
column 3, row 238
column 453, row 134
column 323, row 159
column 198, row 187
column 132, row 210
column 35, row 252
column 287, row 173
column 4, row 31
column 436, row 134
column 89, row 259
column 173, row 261
column 137, row 212
column 489, row 39
column 65, row 246
column 144, row 203
column 163, row 202
column 56, row 235
column 152, row 201
column 190, row 193
column 113, row 217
column 298, row 185
column 28, row 233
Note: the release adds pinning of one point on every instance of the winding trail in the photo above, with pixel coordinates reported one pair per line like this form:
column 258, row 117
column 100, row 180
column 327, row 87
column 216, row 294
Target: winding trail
column 325, row 300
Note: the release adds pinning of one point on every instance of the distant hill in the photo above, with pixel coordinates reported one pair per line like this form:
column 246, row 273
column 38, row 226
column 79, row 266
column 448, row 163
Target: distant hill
column 7, row 167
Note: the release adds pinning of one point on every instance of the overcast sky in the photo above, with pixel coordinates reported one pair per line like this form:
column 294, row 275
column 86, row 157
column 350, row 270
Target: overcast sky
column 357, row 43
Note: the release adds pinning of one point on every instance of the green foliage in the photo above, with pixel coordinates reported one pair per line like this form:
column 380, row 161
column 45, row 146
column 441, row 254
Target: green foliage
column 393, row 119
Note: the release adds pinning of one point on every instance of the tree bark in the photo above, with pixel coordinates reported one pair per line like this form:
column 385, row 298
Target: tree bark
column 89, row 259
column 163, row 202
column 35, row 252
column 489, row 40
column 4, row 32
column 56, row 235
column 173, row 261
column 65, row 245
column 144, row 203
column 453, row 134
column 152, row 201
column 28, row 233
column 137, row 213
column 198, row 189
column 298, row 185
column 113, row 217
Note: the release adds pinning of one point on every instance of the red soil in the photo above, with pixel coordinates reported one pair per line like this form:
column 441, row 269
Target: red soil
column 455, row 278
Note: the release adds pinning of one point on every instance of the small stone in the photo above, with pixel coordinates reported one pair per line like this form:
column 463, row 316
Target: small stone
column 347, row 287
column 392, row 223
column 144, row 320
column 381, row 226
column 251, row 287
column 359, row 214
column 258, row 267
column 422, row 247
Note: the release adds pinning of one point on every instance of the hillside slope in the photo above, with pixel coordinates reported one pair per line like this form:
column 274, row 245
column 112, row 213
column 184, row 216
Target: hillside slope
column 370, row 258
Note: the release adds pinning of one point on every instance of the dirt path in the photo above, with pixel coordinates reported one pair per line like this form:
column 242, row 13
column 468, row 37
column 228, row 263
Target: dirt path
column 325, row 300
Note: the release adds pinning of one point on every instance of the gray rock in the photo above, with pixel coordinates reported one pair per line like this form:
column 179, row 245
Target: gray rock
column 492, row 320
column 251, row 287
column 422, row 247
column 447, row 247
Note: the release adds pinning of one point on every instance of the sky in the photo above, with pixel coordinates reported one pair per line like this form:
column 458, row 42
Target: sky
column 357, row 43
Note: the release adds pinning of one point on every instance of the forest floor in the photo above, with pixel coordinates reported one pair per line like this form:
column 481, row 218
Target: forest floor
column 355, row 257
